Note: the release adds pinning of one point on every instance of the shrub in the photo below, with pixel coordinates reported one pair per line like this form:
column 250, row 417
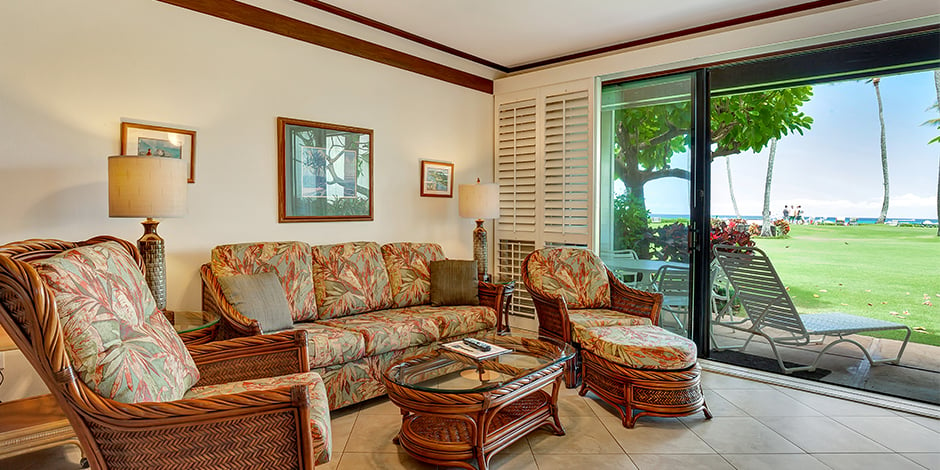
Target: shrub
column 783, row 227
column 734, row 232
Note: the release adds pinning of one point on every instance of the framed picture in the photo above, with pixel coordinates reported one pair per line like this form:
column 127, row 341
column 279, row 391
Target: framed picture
column 324, row 172
column 168, row 142
column 437, row 179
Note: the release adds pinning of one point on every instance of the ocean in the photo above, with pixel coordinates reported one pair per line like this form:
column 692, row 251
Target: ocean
column 818, row 220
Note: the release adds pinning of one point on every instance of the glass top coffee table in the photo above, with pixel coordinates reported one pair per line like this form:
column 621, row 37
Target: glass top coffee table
column 455, row 408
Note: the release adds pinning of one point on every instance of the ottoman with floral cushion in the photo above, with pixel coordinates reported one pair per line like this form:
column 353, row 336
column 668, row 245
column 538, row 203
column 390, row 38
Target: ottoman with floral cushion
column 642, row 370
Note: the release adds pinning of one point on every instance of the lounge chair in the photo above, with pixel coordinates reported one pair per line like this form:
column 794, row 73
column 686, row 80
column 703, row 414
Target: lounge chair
column 770, row 311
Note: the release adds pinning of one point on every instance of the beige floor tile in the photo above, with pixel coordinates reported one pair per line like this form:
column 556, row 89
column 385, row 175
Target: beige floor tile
column 584, row 435
column 819, row 434
column 384, row 460
column 714, row 381
column 896, row 433
column 927, row 460
column 513, row 461
column 776, row 461
column 679, row 461
column 657, row 436
column 929, row 423
column 380, row 406
column 833, row 406
column 860, row 461
column 341, row 424
column 766, row 403
column 718, row 406
column 374, row 433
column 741, row 435
column 572, row 404
column 592, row 462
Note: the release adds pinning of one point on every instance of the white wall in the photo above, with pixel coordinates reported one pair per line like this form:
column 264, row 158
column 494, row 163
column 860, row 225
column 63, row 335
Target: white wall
column 71, row 71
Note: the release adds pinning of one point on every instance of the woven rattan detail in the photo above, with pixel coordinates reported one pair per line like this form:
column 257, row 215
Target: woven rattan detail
column 265, row 365
column 682, row 396
column 518, row 409
column 260, row 441
column 441, row 429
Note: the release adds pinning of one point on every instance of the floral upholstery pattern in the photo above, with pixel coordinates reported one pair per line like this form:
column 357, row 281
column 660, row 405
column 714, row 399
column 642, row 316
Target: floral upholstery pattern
column 577, row 275
column 319, row 408
column 350, row 383
column 350, row 278
column 121, row 345
column 327, row 345
column 408, row 273
column 291, row 261
column 641, row 347
column 389, row 330
column 583, row 319
column 457, row 320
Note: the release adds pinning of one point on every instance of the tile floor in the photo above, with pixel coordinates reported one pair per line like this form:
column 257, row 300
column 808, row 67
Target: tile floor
column 756, row 425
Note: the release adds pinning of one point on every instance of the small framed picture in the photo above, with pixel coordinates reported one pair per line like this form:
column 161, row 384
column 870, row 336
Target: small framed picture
column 437, row 179
column 167, row 142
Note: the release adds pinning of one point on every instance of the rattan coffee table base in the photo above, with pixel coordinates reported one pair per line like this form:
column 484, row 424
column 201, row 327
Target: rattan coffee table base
column 442, row 428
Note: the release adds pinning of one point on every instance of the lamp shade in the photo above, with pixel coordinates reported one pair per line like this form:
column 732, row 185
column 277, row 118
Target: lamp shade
column 479, row 201
column 146, row 186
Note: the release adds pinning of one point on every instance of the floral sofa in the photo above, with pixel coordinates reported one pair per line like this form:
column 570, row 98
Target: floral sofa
column 364, row 306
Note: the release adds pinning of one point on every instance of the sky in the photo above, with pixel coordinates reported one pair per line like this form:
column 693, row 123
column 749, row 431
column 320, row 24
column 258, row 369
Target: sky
column 834, row 169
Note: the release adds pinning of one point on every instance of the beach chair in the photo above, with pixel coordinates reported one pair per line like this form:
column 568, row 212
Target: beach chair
column 772, row 315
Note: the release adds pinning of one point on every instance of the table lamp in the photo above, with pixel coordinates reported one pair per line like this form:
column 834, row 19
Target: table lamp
column 479, row 201
column 149, row 187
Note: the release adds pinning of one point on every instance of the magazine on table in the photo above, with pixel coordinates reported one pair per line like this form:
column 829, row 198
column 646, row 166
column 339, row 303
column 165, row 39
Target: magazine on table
column 465, row 349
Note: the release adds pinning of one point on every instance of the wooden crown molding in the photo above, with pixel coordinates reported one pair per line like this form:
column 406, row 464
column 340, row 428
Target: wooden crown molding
column 276, row 23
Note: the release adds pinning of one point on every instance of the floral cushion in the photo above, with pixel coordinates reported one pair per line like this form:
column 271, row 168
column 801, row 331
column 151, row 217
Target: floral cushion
column 319, row 406
column 291, row 262
column 408, row 275
column 122, row 346
column 351, row 383
column 577, row 275
column 350, row 278
column 457, row 320
column 389, row 330
column 641, row 347
column 583, row 319
column 327, row 345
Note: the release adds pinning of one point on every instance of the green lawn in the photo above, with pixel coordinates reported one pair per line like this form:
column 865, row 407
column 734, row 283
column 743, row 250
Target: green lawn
column 878, row 271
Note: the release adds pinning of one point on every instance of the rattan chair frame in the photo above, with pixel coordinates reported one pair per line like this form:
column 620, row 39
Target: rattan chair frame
column 253, row 429
column 554, row 323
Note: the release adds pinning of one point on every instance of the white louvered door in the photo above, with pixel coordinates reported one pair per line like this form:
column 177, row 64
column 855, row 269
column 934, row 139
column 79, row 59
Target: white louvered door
column 544, row 166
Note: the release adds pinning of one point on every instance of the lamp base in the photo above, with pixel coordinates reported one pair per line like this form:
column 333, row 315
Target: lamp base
column 479, row 250
column 152, row 252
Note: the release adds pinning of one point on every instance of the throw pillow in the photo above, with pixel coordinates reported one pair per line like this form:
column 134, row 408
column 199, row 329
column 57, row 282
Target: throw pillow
column 259, row 297
column 454, row 282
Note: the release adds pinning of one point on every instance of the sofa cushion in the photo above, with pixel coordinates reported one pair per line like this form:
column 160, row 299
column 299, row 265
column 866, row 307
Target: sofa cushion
column 319, row 405
column 122, row 346
column 327, row 345
column 583, row 319
column 291, row 261
column 641, row 347
column 454, row 282
column 389, row 330
column 350, row 278
column 409, row 275
column 576, row 274
column 457, row 320
column 259, row 297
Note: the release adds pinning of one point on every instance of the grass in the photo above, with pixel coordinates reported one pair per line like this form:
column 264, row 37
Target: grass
column 876, row 271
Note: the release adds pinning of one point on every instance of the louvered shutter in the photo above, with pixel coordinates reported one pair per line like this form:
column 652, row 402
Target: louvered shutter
column 516, row 169
column 568, row 169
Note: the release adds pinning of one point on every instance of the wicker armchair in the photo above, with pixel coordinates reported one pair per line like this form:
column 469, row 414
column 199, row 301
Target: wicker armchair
column 608, row 302
column 258, row 428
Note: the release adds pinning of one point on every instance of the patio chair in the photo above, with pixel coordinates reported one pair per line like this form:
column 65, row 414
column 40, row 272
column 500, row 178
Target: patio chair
column 673, row 283
column 136, row 396
column 630, row 278
column 771, row 314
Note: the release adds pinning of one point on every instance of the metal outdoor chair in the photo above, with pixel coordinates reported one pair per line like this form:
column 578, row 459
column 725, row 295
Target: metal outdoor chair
column 771, row 314
column 630, row 278
column 673, row 283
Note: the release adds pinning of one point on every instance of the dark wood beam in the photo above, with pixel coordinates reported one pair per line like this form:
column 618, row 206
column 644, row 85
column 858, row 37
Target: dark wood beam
column 276, row 23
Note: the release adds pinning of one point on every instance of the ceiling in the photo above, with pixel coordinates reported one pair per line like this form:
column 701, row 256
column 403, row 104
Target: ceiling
column 515, row 33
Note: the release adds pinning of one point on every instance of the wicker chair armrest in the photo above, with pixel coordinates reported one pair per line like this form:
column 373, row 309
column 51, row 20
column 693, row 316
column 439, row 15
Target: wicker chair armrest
column 494, row 296
column 632, row 301
column 232, row 323
column 251, row 357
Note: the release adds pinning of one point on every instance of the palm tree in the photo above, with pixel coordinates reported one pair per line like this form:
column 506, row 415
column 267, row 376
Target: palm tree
column 884, row 151
column 765, row 230
column 734, row 202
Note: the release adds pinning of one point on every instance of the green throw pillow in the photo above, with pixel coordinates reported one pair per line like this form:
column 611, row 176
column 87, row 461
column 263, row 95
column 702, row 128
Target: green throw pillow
column 454, row 282
column 259, row 297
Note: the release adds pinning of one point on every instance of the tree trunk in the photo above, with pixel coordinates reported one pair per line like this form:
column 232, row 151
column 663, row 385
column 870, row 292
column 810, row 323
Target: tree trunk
column 766, row 230
column 734, row 202
column 936, row 80
column 884, row 152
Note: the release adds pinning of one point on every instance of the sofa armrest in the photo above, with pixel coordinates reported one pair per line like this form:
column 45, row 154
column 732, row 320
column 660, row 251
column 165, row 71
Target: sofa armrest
column 232, row 323
column 632, row 301
column 498, row 297
column 251, row 357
